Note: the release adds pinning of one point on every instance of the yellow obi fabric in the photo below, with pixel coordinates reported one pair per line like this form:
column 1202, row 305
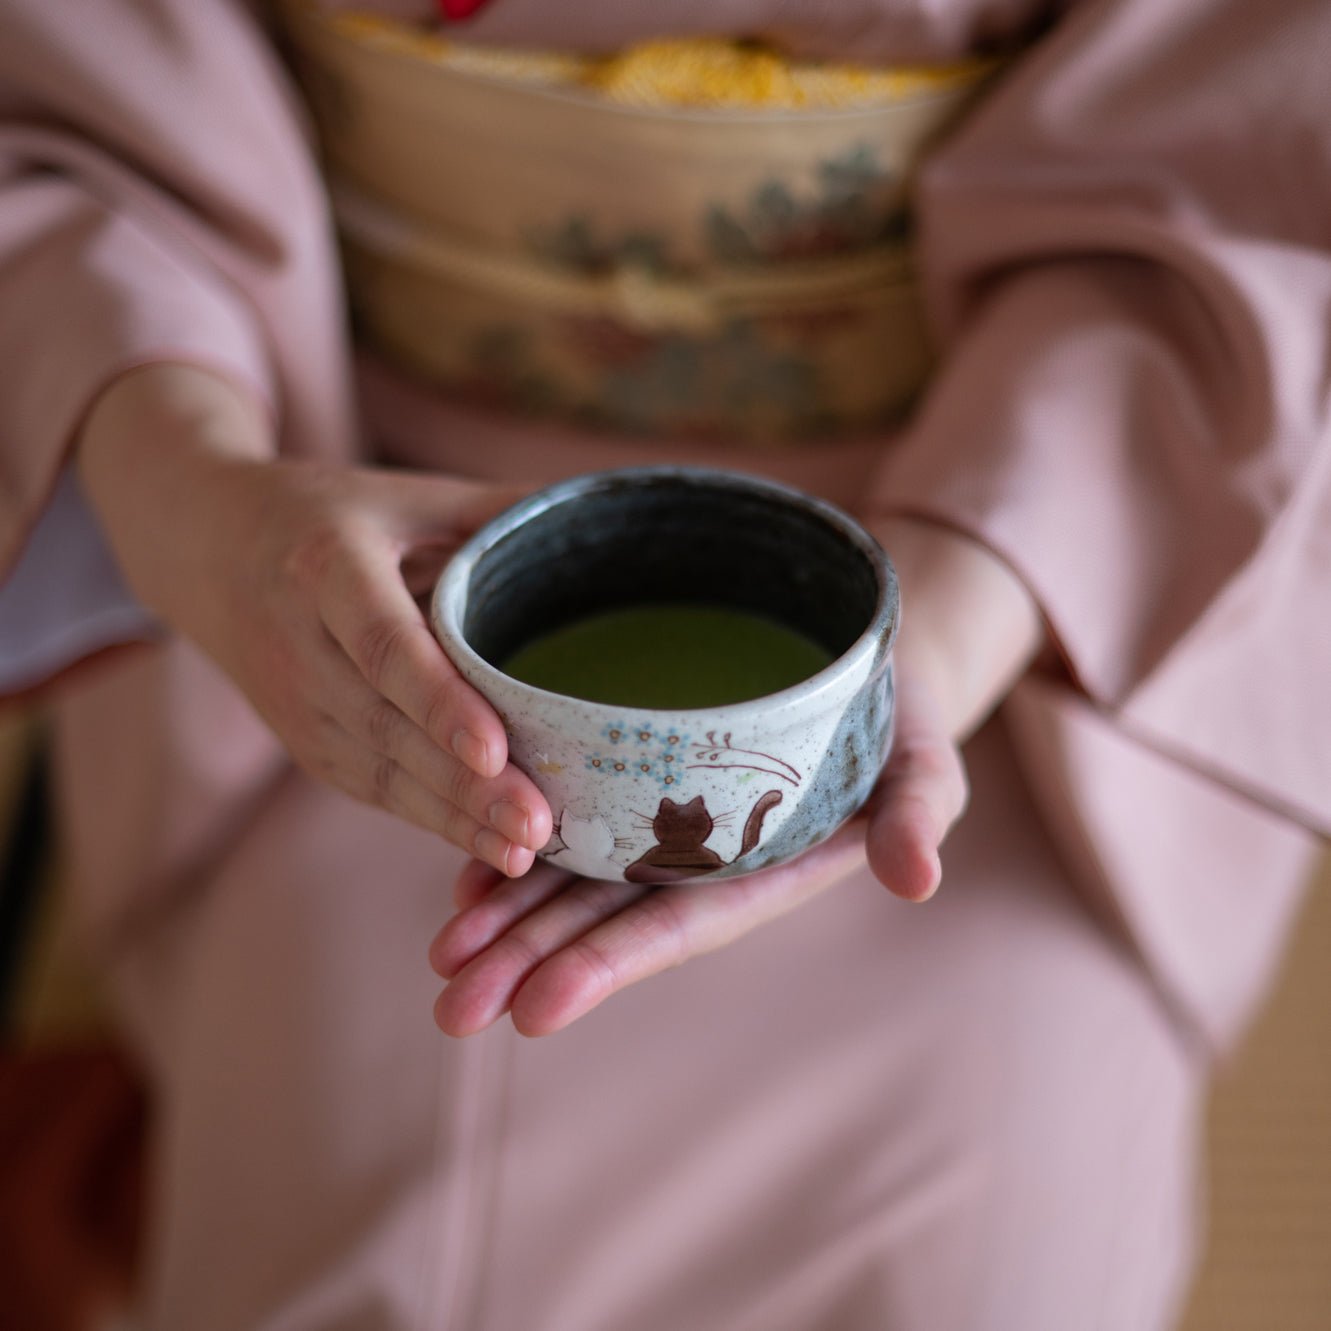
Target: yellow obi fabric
column 690, row 238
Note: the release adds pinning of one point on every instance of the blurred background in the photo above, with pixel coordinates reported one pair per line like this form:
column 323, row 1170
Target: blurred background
column 74, row 1121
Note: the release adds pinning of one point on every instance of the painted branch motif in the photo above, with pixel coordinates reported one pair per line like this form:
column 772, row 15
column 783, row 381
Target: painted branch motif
column 710, row 756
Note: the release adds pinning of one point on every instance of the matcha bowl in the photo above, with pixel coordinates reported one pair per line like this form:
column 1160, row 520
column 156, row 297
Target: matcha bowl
column 693, row 666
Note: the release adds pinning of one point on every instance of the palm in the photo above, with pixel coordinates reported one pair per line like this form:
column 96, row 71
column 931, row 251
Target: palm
column 548, row 947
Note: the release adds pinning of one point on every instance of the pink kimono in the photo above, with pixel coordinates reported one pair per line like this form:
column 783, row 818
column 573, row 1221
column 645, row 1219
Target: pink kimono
column 1127, row 256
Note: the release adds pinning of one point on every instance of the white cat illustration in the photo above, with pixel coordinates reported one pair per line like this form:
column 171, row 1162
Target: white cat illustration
column 592, row 845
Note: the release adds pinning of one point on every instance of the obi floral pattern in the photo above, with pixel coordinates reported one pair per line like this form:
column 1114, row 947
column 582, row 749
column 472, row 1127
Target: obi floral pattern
column 761, row 377
column 855, row 201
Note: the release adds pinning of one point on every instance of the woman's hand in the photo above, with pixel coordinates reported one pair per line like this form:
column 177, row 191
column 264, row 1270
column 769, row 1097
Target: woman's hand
column 299, row 580
column 550, row 947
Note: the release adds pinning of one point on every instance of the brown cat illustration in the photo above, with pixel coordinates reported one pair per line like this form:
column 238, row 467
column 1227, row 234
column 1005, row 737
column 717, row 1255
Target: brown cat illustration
column 681, row 829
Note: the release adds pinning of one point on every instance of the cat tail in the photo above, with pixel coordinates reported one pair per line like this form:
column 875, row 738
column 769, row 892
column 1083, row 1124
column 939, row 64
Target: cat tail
column 753, row 825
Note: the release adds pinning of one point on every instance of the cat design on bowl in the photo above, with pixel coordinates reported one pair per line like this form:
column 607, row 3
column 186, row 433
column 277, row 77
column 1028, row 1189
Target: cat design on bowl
column 681, row 830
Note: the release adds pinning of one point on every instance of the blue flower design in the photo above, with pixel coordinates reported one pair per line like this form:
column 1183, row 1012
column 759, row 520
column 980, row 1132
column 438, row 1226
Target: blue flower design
column 669, row 764
column 657, row 754
column 608, row 765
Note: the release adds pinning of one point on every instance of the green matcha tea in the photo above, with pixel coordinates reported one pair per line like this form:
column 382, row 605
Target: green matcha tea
column 668, row 656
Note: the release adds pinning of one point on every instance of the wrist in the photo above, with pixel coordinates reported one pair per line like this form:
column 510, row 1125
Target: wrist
column 163, row 413
column 150, row 454
column 969, row 625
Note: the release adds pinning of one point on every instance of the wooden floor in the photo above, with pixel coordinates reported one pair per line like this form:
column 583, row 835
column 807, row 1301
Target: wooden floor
column 1268, row 1260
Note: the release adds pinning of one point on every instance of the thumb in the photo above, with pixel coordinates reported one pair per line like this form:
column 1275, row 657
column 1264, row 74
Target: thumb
column 447, row 509
column 433, row 515
column 921, row 793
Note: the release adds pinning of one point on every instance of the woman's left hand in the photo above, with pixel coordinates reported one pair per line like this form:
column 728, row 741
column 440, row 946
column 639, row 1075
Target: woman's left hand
column 549, row 947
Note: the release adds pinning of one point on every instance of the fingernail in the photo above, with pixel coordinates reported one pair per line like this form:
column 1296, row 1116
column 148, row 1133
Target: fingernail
column 935, row 877
column 512, row 821
column 472, row 751
column 493, row 848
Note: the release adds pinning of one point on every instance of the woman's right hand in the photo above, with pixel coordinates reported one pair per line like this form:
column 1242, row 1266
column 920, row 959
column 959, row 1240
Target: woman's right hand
column 300, row 580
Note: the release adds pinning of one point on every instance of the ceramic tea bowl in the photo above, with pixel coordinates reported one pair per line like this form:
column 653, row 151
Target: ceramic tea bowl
column 654, row 795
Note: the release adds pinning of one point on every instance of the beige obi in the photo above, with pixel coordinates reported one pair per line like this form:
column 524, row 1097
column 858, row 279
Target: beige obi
column 532, row 243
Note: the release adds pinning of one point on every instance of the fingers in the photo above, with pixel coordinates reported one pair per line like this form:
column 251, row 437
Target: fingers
column 434, row 514
column 384, row 783
column 923, row 791
column 436, row 508
column 474, row 884
column 367, row 608
column 667, row 926
column 552, row 912
column 510, row 803
column 550, row 948
column 379, row 709
column 472, row 930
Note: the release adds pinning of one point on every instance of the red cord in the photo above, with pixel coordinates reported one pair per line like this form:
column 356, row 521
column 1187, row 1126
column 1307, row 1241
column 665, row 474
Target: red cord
column 456, row 9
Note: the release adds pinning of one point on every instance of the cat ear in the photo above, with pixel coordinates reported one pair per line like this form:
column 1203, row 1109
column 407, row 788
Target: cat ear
column 697, row 799
column 666, row 801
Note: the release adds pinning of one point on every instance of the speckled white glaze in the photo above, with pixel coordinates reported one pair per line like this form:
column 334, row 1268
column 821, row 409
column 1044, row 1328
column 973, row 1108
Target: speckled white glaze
column 786, row 769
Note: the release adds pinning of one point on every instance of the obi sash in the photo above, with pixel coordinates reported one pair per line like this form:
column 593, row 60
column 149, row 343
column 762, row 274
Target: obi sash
column 581, row 250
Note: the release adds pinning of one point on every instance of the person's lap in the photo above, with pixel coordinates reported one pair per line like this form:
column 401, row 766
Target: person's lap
column 969, row 1114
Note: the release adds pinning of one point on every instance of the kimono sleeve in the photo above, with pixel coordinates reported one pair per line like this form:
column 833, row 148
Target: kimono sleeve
column 1128, row 253
column 158, row 203
column 85, row 294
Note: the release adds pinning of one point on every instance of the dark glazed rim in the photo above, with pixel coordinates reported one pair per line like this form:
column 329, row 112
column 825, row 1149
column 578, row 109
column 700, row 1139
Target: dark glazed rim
column 448, row 602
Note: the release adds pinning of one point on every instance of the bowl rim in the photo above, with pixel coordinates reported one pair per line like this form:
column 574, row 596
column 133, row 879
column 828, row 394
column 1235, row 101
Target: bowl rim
column 448, row 600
